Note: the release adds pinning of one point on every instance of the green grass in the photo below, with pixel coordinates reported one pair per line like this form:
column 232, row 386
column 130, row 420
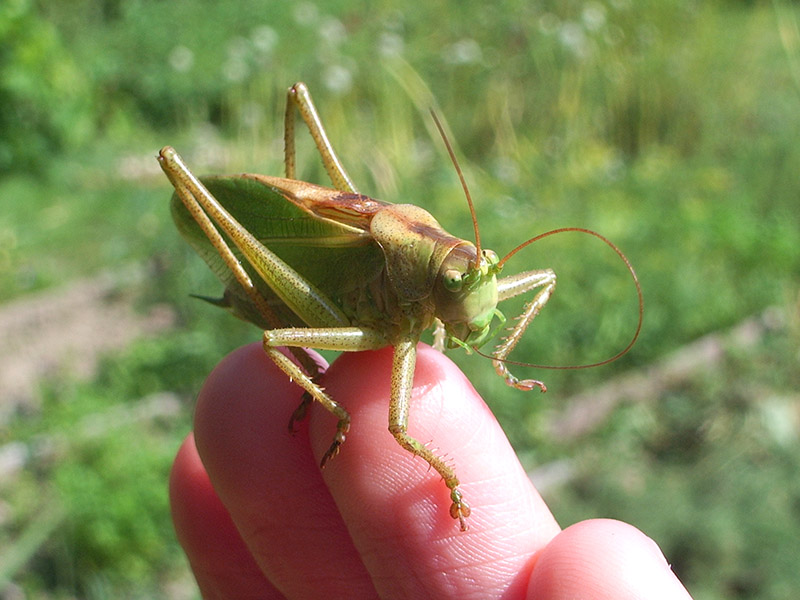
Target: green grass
column 645, row 121
column 708, row 468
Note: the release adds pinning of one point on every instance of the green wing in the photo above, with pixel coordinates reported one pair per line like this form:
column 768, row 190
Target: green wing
column 336, row 258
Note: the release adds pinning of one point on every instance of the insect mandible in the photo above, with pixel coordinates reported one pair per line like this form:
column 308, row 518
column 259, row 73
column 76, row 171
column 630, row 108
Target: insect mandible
column 332, row 269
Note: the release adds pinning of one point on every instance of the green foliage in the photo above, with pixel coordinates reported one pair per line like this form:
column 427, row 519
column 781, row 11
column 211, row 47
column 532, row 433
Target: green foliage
column 101, row 469
column 45, row 104
column 115, row 498
column 708, row 468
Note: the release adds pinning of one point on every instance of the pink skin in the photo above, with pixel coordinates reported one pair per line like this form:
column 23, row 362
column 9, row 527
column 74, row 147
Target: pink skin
column 258, row 519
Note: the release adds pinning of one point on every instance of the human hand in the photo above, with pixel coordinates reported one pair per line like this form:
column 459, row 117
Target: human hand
column 258, row 519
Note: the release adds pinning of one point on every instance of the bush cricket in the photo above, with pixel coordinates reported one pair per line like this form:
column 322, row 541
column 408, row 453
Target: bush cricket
column 332, row 269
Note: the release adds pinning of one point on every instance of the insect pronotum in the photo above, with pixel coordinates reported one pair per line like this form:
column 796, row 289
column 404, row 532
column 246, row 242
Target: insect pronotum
column 332, row 269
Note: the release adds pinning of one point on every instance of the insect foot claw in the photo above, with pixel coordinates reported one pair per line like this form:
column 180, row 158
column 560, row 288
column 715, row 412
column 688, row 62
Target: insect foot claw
column 526, row 385
column 333, row 450
column 300, row 412
column 459, row 509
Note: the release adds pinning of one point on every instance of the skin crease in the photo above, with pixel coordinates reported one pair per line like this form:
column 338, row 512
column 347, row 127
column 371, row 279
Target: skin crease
column 258, row 519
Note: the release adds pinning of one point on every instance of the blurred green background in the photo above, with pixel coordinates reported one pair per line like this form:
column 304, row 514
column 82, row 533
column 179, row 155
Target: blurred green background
column 668, row 126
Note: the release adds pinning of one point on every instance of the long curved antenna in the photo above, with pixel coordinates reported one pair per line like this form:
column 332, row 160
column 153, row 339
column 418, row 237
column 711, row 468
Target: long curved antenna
column 463, row 185
column 638, row 294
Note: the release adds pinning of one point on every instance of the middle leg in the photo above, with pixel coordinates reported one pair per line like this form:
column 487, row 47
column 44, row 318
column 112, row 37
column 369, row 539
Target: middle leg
column 347, row 339
column 405, row 356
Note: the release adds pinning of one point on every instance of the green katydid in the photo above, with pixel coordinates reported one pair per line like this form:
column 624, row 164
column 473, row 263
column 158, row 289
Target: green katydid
column 332, row 269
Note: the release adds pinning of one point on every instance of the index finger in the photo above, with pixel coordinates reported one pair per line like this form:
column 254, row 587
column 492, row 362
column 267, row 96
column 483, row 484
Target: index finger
column 397, row 508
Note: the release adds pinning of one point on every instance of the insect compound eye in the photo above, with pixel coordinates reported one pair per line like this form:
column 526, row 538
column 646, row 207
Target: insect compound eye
column 490, row 260
column 452, row 280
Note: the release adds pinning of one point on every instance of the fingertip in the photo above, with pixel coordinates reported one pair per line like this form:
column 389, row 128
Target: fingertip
column 241, row 409
column 603, row 559
column 189, row 488
column 447, row 414
column 220, row 560
column 397, row 508
column 269, row 480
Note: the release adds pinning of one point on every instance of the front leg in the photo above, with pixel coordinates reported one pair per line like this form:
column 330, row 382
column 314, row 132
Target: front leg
column 509, row 287
column 405, row 357
column 439, row 335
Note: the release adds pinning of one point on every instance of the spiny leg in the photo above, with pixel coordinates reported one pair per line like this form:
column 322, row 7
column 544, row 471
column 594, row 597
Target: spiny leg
column 405, row 356
column 298, row 97
column 347, row 339
column 189, row 188
column 301, row 411
column 314, row 390
column 509, row 287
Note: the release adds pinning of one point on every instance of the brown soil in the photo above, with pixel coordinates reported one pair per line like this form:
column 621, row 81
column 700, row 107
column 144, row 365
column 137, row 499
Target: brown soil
column 64, row 332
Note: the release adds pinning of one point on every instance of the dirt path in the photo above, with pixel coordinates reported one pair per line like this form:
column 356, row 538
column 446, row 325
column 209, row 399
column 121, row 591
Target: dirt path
column 64, row 332
column 587, row 410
